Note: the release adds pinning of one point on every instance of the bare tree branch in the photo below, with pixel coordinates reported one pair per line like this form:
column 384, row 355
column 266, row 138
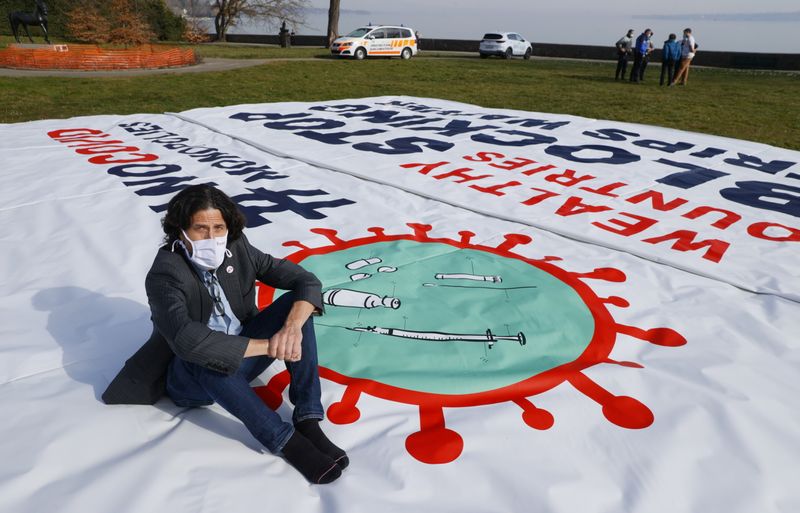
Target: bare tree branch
column 228, row 12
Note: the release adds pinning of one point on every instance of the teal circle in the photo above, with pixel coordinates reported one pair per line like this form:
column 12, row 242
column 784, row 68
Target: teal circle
column 556, row 323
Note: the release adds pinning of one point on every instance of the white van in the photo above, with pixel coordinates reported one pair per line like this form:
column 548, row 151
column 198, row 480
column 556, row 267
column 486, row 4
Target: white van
column 381, row 40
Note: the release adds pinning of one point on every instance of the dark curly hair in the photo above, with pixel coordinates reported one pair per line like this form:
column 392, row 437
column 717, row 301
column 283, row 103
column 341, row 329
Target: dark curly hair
column 195, row 198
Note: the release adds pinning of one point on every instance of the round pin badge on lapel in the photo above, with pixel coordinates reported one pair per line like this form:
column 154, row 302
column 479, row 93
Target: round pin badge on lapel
column 229, row 269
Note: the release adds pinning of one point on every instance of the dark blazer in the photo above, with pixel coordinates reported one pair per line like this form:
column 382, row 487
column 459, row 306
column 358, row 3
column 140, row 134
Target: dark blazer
column 180, row 307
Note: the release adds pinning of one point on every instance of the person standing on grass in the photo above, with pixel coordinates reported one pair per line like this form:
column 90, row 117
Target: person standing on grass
column 640, row 49
column 624, row 48
column 670, row 54
column 646, row 57
column 688, row 50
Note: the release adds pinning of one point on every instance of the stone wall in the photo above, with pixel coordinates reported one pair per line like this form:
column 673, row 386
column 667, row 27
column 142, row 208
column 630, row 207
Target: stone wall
column 741, row 60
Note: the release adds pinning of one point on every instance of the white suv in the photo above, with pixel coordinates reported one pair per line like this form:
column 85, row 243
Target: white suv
column 505, row 44
column 383, row 41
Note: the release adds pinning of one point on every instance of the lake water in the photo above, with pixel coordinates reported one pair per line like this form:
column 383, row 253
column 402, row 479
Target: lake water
column 590, row 28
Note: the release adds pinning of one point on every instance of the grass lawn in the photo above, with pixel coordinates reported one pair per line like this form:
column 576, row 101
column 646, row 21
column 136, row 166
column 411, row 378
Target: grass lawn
column 758, row 106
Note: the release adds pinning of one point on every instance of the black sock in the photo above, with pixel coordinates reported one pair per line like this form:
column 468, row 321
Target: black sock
column 311, row 430
column 315, row 465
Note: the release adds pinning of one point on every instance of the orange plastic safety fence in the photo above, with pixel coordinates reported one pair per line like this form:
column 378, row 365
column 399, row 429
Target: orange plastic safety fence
column 94, row 58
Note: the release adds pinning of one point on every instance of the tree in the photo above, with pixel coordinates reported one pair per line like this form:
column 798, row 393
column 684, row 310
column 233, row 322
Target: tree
column 130, row 27
column 228, row 12
column 126, row 22
column 87, row 24
column 116, row 21
column 333, row 22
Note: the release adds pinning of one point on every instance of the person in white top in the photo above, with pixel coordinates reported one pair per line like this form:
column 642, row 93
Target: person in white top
column 688, row 50
column 624, row 49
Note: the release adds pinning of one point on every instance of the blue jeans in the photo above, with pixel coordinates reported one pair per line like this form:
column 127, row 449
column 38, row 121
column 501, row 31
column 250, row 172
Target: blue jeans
column 192, row 385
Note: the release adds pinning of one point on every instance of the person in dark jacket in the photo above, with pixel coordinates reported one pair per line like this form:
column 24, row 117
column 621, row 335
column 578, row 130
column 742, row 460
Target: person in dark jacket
column 670, row 55
column 641, row 48
column 210, row 341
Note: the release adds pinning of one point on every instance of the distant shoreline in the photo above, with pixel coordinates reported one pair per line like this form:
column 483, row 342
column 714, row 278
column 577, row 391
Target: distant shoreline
column 726, row 33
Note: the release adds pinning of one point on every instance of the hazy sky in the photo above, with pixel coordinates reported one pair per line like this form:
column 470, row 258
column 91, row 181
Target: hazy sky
column 763, row 26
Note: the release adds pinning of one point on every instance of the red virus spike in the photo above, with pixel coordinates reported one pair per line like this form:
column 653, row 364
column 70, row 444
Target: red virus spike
column 434, row 443
column 512, row 240
column 621, row 410
column 605, row 274
column 345, row 411
column 420, row 230
column 632, row 365
column 295, row 244
column 272, row 392
column 617, row 301
column 378, row 231
column 466, row 236
column 537, row 418
column 550, row 258
column 331, row 235
column 659, row 336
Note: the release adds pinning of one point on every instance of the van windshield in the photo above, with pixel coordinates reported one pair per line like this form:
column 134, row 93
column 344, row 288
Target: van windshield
column 359, row 32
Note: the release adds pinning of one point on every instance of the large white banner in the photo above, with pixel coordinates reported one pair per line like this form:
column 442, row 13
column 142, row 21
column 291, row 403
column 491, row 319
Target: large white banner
column 488, row 365
column 723, row 208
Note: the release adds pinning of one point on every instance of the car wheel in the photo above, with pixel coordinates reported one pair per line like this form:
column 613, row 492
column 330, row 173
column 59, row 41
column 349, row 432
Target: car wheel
column 528, row 53
column 508, row 53
column 405, row 54
column 360, row 53
column 484, row 56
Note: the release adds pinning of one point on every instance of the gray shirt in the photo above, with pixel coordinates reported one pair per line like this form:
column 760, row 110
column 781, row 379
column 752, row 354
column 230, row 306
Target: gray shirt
column 625, row 43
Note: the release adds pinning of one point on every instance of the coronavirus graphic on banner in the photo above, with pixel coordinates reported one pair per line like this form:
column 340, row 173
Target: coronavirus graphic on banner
column 445, row 323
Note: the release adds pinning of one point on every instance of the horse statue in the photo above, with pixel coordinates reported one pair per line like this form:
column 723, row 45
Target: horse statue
column 39, row 17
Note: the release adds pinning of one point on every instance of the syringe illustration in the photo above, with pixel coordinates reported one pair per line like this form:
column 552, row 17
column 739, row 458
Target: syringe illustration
column 356, row 299
column 363, row 262
column 437, row 336
column 464, row 276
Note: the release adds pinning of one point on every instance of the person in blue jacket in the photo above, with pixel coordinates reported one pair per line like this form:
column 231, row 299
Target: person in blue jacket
column 670, row 55
column 640, row 50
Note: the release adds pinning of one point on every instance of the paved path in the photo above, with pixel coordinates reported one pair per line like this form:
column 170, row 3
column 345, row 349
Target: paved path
column 208, row 64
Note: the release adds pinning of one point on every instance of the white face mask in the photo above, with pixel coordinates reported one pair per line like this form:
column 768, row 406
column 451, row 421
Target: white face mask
column 208, row 254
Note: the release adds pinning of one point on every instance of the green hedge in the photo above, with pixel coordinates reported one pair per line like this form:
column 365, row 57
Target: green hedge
column 165, row 24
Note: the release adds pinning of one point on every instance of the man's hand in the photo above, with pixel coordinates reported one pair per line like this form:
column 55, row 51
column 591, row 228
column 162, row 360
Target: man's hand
column 286, row 344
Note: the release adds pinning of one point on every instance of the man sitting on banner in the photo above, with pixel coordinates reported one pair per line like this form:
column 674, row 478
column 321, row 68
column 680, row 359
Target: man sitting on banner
column 210, row 341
